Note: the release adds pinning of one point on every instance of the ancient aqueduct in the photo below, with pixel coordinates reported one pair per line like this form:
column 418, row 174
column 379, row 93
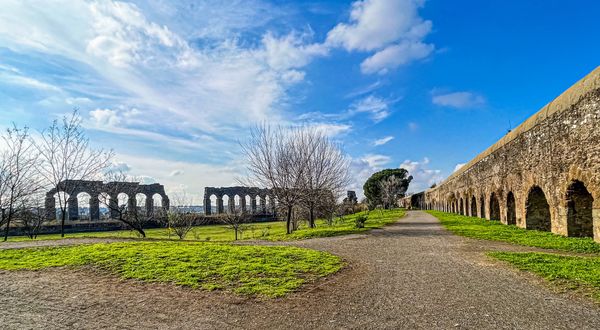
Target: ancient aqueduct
column 264, row 196
column 543, row 175
column 95, row 188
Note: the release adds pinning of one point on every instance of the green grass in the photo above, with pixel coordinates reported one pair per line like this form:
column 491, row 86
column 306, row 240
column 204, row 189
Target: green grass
column 271, row 271
column 571, row 272
column 274, row 231
column 344, row 226
column 496, row 231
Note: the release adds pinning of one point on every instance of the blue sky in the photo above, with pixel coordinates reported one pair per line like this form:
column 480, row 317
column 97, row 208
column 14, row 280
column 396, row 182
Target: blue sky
column 172, row 86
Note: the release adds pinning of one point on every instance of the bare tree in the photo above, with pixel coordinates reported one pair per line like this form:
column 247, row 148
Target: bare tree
column 67, row 155
column 180, row 217
column 326, row 173
column 275, row 161
column 236, row 220
column 18, row 179
column 31, row 216
column 391, row 189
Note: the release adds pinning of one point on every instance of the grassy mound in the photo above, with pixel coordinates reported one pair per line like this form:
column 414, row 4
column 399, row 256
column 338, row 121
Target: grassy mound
column 271, row 271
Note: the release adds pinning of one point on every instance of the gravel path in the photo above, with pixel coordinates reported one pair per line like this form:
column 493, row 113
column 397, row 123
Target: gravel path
column 413, row 274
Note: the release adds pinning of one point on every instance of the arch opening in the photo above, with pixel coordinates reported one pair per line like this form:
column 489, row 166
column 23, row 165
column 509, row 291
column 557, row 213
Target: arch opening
column 580, row 221
column 537, row 214
column 83, row 206
column 473, row 206
column 482, row 204
column 494, row 207
column 511, row 209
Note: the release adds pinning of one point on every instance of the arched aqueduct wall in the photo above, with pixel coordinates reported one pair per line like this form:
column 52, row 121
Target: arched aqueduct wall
column 242, row 193
column 554, row 154
column 95, row 189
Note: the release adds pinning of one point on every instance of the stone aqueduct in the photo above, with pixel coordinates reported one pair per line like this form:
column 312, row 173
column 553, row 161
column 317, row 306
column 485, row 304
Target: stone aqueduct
column 543, row 175
column 265, row 203
column 95, row 189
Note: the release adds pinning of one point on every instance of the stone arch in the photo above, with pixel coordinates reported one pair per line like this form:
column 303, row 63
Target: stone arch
column 142, row 203
column 580, row 202
column 104, row 205
column 122, row 200
column 537, row 210
column 473, row 206
column 511, row 209
column 83, row 205
column 237, row 202
column 227, row 201
column 494, row 207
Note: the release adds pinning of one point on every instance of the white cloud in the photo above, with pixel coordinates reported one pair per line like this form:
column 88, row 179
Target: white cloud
column 118, row 167
column 393, row 29
column 394, row 56
column 105, row 117
column 458, row 167
column 423, row 176
column 363, row 167
column 375, row 160
column 291, row 51
column 382, row 141
column 331, row 129
column 376, row 107
column 459, row 100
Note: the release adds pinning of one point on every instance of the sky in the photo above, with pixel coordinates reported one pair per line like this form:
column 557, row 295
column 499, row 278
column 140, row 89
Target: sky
column 173, row 87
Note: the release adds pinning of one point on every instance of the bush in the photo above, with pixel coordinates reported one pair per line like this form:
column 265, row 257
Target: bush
column 360, row 221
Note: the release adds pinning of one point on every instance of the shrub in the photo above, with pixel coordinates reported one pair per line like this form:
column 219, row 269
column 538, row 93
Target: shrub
column 360, row 221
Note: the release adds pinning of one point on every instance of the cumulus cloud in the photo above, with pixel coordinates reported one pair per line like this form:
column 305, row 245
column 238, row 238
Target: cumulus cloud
column 393, row 29
column 382, row 141
column 423, row 176
column 458, row 100
column 376, row 160
column 118, row 167
column 458, row 167
column 361, row 168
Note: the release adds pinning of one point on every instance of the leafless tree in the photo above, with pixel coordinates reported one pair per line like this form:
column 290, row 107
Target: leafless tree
column 236, row 220
column 275, row 161
column 18, row 179
column 180, row 217
column 326, row 173
column 31, row 216
column 67, row 155
column 136, row 218
column 391, row 190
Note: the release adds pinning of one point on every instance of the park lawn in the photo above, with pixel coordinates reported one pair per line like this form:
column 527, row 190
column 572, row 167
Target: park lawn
column 496, row 231
column 344, row 226
column 571, row 272
column 271, row 271
column 274, row 231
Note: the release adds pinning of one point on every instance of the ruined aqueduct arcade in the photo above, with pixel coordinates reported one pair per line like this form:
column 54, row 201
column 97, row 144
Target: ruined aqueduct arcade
column 543, row 175
column 261, row 200
column 95, row 188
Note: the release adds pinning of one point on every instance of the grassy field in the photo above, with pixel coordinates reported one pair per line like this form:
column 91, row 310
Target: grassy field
column 274, row 231
column 271, row 271
column 569, row 272
column 496, row 231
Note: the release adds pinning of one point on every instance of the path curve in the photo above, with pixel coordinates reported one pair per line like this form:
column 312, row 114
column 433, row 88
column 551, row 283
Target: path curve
column 412, row 274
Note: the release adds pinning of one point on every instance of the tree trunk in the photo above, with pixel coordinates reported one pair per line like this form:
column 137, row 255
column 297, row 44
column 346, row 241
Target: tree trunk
column 311, row 221
column 236, row 235
column 7, row 225
column 63, row 217
column 289, row 220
